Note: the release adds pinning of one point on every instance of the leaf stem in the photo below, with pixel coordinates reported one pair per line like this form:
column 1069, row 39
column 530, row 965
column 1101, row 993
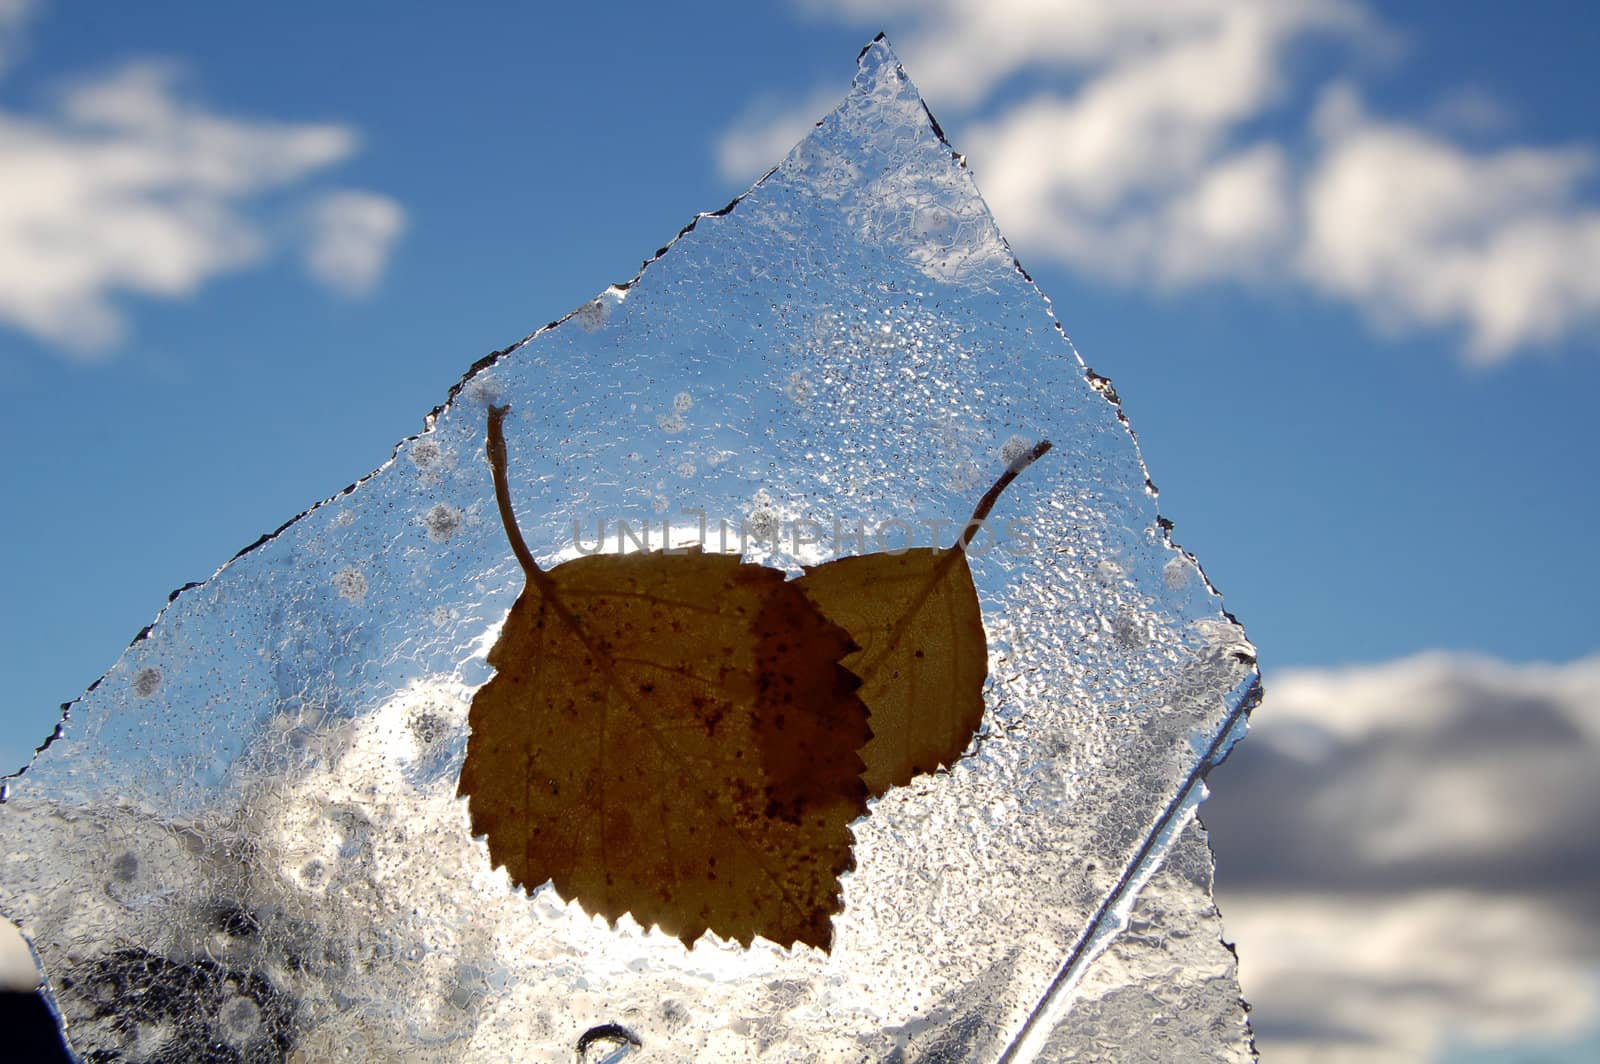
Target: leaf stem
column 502, row 490
column 990, row 497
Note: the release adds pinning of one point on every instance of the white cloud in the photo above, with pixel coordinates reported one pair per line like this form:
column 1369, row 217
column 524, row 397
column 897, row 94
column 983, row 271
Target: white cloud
column 1139, row 154
column 1062, row 179
column 1232, row 222
column 960, row 51
column 1408, row 855
column 1419, row 231
column 352, row 234
column 1399, row 977
column 761, row 137
column 127, row 186
column 1439, row 759
column 1425, row 693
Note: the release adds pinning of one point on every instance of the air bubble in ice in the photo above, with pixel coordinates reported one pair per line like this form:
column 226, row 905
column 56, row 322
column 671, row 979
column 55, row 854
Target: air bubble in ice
column 351, row 583
column 125, row 866
column 146, row 681
column 799, row 388
column 239, row 1020
column 441, row 521
column 1015, row 447
column 313, row 874
column 424, row 453
column 591, row 317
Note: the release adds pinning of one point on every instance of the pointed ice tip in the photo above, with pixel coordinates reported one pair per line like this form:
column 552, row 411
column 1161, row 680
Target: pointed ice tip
column 881, row 40
column 879, row 73
column 876, row 57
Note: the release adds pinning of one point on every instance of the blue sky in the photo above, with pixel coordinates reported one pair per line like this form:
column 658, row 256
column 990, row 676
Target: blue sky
column 1342, row 264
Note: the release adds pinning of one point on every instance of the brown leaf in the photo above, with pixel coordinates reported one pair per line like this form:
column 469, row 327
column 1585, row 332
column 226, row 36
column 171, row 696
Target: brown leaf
column 923, row 654
column 671, row 736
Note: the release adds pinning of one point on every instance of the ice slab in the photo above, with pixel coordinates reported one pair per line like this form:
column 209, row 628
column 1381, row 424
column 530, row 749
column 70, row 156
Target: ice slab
column 246, row 842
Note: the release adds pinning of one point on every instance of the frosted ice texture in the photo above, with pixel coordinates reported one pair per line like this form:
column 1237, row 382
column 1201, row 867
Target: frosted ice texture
column 246, row 844
column 1166, row 988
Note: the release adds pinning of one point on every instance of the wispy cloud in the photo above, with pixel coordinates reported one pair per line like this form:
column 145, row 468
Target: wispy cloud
column 1130, row 142
column 1408, row 856
column 767, row 129
column 351, row 236
column 128, row 185
column 1419, row 231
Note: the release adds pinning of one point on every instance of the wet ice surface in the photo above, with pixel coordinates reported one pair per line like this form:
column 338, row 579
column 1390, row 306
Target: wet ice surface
column 247, row 843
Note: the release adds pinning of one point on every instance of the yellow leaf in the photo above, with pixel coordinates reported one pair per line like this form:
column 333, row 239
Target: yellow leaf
column 671, row 736
column 923, row 654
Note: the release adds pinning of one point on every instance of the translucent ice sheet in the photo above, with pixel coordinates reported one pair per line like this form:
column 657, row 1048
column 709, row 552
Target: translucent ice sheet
column 245, row 842
column 1166, row 988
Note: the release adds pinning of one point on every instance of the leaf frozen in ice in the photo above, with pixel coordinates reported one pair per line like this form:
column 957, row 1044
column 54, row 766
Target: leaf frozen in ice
column 670, row 736
column 921, row 652
column 258, row 803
